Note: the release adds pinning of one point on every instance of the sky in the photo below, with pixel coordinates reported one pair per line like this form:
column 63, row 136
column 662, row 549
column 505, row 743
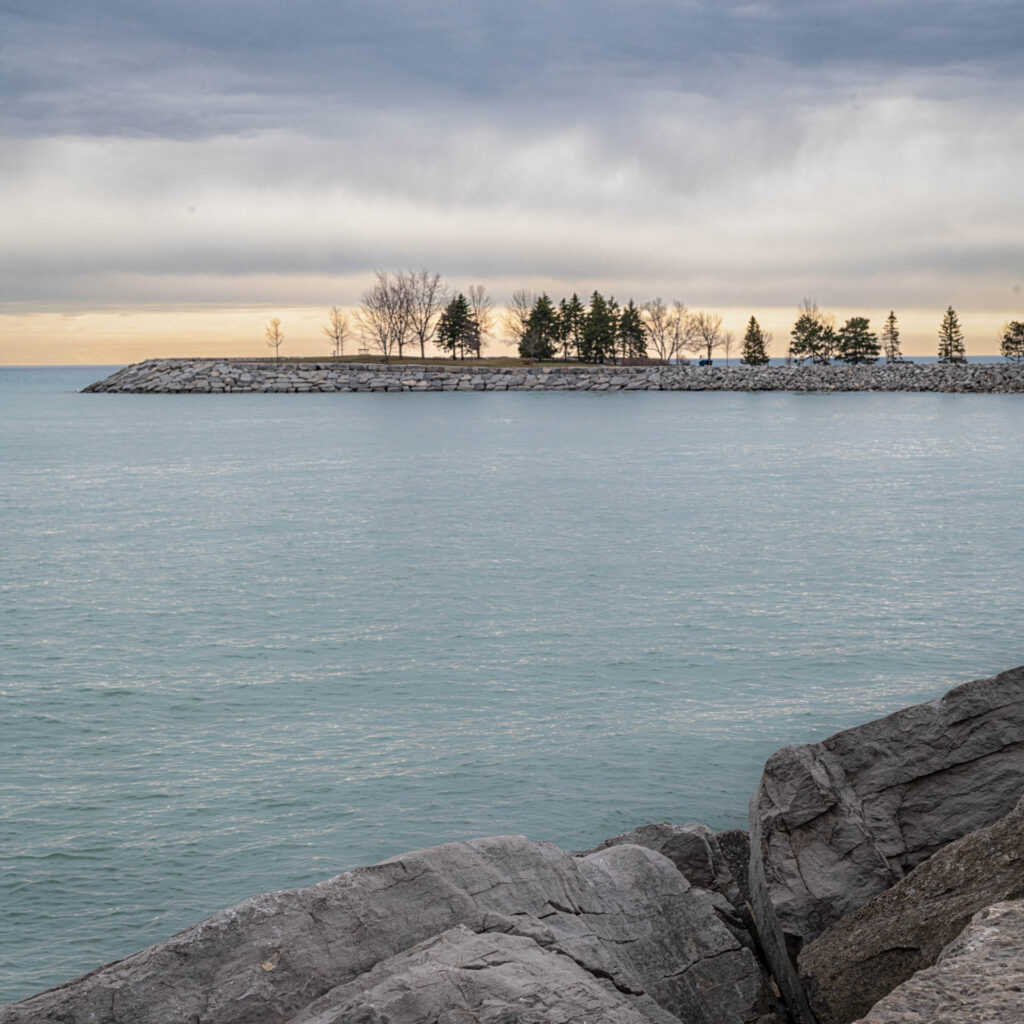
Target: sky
column 173, row 174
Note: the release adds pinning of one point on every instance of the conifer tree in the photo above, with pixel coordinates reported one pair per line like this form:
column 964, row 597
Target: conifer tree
column 951, row 339
column 457, row 330
column 572, row 314
column 632, row 336
column 1011, row 342
column 600, row 328
column 813, row 336
column 755, row 345
column 540, row 338
column 891, row 339
column 856, row 343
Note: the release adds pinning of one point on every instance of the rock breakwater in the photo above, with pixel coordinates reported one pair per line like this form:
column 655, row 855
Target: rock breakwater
column 212, row 376
column 883, row 840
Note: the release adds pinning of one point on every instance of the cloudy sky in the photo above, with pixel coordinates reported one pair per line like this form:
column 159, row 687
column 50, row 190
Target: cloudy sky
column 173, row 173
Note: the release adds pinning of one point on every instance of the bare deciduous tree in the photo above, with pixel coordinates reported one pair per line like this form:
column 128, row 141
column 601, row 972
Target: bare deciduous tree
column 517, row 314
column 274, row 336
column 728, row 343
column 384, row 318
column 428, row 295
column 482, row 307
column 707, row 333
column 336, row 329
column 661, row 333
column 669, row 329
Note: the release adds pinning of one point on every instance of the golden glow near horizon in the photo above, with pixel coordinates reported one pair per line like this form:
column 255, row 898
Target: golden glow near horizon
column 127, row 336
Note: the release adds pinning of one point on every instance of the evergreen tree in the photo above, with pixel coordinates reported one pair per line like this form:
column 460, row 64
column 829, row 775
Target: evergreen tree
column 600, row 328
column 1011, row 344
column 540, row 339
column 891, row 340
column 457, row 330
column 755, row 345
column 813, row 336
column 632, row 335
column 856, row 343
column 572, row 315
column 951, row 339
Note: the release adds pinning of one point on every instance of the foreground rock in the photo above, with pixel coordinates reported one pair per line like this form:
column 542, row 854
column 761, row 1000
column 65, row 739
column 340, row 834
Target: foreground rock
column 695, row 851
column 835, row 823
column 979, row 978
column 473, row 928
column 868, row 953
column 220, row 376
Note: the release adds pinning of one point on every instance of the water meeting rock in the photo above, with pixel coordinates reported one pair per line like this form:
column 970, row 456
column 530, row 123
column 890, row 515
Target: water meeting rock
column 866, row 954
column 621, row 926
column 837, row 822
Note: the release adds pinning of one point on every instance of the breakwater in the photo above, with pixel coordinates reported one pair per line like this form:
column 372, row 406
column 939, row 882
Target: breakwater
column 221, row 376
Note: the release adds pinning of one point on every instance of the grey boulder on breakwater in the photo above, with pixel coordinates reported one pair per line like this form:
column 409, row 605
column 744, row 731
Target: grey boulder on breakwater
column 213, row 376
column 873, row 847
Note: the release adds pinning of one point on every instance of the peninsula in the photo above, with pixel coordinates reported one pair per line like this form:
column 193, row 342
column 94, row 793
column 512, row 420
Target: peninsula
column 222, row 376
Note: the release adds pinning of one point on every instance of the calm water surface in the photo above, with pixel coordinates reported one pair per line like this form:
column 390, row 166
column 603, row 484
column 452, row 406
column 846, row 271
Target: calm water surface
column 249, row 641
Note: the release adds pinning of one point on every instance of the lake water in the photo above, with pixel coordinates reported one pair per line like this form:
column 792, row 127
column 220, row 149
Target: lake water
column 250, row 641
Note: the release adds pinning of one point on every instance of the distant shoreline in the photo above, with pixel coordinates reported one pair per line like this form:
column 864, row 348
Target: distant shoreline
column 224, row 376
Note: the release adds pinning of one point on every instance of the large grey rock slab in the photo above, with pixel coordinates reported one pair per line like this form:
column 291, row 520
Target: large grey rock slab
column 488, row 978
column 692, row 847
column 625, row 916
column 696, row 852
column 835, row 823
column 979, row 978
column 868, row 953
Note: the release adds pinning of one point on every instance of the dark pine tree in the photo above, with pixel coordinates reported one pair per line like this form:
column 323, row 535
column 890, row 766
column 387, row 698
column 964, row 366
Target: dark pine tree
column 891, row 339
column 572, row 315
column 600, row 328
column 1011, row 342
column 755, row 352
column 540, row 339
column 856, row 343
column 813, row 336
column 457, row 329
column 632, row 335
column 951, row 339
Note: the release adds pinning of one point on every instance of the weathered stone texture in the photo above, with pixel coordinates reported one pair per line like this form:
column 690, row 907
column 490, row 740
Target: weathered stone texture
column 624, row 916
column 979, row 978
column 835, row 823
column 866, row 954
column 173, row 376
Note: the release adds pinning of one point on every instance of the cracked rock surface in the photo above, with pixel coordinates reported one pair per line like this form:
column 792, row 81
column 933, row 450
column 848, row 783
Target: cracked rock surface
column 835, row 823
column 621, row 926
column 869, row 952
column 979, row 978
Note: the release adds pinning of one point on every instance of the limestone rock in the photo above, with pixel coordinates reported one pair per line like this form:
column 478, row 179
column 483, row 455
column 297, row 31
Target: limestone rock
column 979, row 978
column 694, row 850
column 478, row 977
column 624, row 916
column 835, row 823
column 868, row 953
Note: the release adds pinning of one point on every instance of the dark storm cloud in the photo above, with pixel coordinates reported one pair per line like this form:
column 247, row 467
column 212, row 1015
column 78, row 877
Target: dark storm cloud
column 729, row 152
column 184, row 70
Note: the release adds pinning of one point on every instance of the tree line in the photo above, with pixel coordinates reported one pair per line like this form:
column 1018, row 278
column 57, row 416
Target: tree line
column 411, row 310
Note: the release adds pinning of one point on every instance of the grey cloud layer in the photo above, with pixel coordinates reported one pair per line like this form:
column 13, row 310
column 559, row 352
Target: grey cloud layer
column 756, row 151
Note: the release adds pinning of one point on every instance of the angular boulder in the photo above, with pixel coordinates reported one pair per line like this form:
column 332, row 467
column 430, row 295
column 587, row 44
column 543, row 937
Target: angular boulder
column 624, row 917
column 979, row 978
column 695, row 851
column 837, row 822
column 868, row 953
